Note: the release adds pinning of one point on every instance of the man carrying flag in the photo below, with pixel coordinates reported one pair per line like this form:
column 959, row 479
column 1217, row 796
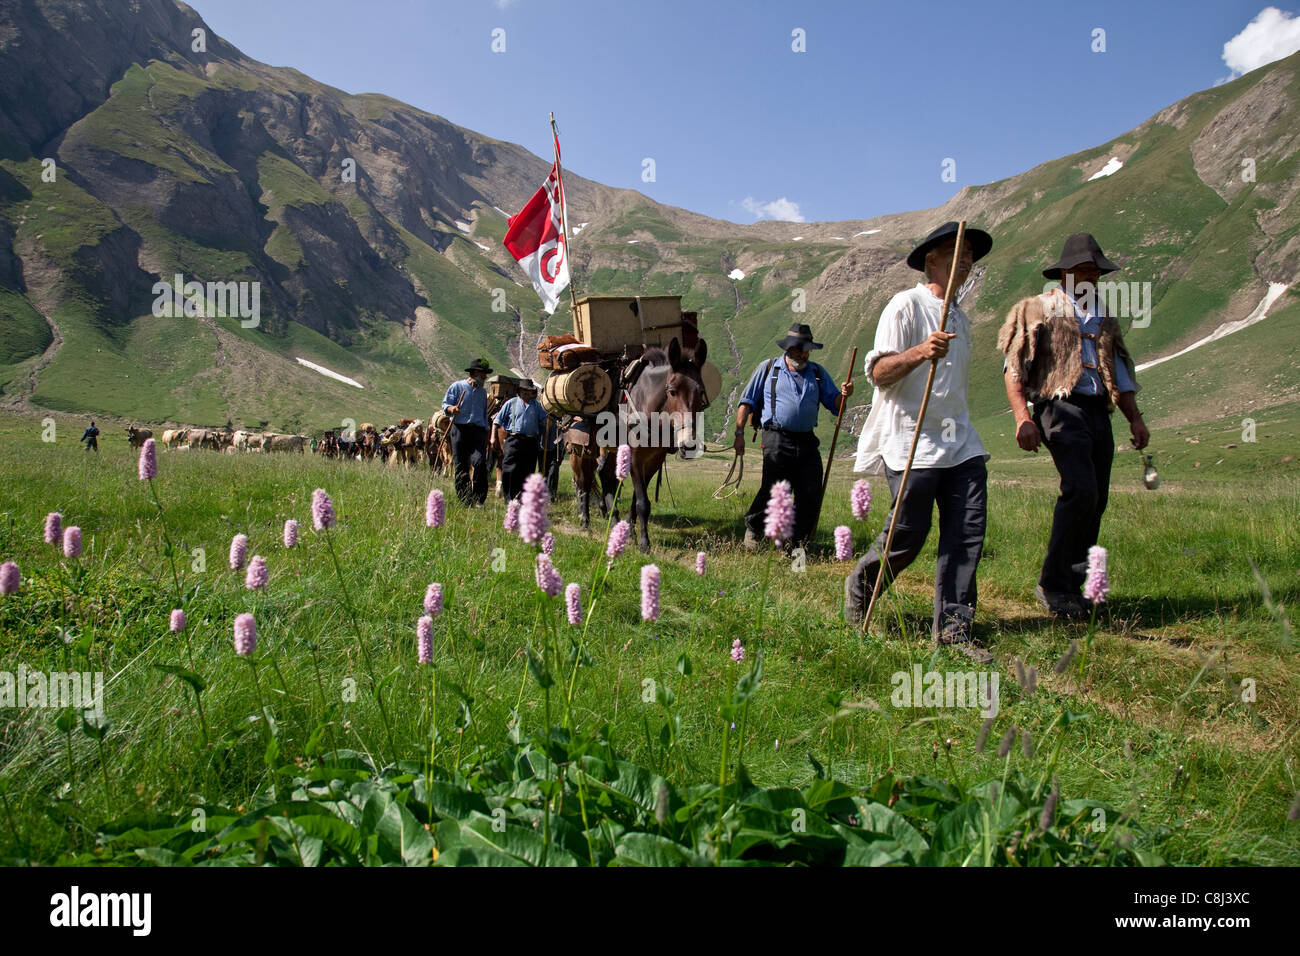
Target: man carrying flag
column 536, row 237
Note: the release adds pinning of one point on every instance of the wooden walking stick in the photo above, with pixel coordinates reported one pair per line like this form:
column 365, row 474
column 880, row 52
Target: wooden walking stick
column 826, row 478
column 916, row 435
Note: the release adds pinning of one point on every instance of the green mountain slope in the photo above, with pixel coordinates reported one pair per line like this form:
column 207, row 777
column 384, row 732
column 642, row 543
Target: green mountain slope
column 373, row 231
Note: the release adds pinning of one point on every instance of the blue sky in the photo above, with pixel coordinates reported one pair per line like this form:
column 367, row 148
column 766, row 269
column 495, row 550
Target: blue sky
column 857, row 125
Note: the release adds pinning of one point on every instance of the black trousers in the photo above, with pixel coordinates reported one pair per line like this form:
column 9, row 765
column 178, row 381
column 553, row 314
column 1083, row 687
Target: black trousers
column 469, row 452
column 1077, row 432
column 518, row 462
column 792, row 457
column 961, row 493
column 554, row 456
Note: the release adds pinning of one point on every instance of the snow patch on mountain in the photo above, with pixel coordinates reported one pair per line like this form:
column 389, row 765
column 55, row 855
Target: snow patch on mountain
column 326, row 372
column 735, row 274
column 1275, row 289
column 1112, row 167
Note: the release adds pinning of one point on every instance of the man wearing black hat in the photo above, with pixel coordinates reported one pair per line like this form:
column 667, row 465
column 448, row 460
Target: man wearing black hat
column 466, row 405
column 523, row 420
column 948, row 468
column 783, row 395
column 1064, row 354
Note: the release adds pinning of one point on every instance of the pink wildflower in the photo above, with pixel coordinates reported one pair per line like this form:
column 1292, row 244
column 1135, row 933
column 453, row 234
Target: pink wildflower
column 177, row 621
column 617, row 539
column 1097, row 585
column 737, row 651
column 779, row 524
column 433, row 599
column 511, row 523
column 650, row 592
column 148, row 464
column 860, row 499
column 245, row 635
column 238, row 549
column 548, row 579
column 71, row 541
column 322, row 510
column 424, row 640
column 290, row 533
column 53, row 527
column 623, row 463
column 700, row 559
column 9, row 577
column 573, row 602
column 843, row 543
column 435, row 509
column 533, row 520
column 255, row 579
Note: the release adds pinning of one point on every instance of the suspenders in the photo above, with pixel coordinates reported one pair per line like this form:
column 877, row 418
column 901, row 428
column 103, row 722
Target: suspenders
column 774, row 371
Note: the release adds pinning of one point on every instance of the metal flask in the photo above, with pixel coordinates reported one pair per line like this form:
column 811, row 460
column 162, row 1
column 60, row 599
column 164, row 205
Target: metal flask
column 1150, row 477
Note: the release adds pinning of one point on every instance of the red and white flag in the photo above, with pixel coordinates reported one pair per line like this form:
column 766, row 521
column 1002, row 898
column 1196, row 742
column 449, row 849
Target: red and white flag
column 536, row 239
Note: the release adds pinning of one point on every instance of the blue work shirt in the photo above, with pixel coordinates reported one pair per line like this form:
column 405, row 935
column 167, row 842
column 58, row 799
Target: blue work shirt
column 1090, row 382
column 797, row 395
column 473, row 407
column 518, row 417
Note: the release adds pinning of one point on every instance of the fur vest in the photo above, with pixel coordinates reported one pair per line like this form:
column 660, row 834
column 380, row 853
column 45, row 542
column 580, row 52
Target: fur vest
column 1044, row 348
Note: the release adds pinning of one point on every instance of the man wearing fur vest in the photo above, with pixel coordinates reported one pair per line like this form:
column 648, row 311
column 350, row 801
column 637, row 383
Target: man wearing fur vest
column 1067, row 357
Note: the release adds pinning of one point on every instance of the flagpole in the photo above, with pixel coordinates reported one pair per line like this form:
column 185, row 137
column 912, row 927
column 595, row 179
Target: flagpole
column 564, row 215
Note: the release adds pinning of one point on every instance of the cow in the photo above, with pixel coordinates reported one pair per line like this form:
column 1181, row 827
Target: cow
column 173, row 437
column 274, row 442
column 137, row 436
column 368, row 441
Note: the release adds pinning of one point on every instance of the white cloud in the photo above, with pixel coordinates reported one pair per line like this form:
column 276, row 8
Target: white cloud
column 1272, row 35
column 781, row 209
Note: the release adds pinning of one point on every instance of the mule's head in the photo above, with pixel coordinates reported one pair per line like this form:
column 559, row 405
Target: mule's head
column 685, row 396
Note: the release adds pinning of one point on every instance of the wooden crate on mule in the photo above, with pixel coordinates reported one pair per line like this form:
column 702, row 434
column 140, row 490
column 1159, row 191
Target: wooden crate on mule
column 611, row 323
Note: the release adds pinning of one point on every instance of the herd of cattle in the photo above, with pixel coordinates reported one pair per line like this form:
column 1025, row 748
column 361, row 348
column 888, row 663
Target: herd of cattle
column 219, row 439
column 408, row 442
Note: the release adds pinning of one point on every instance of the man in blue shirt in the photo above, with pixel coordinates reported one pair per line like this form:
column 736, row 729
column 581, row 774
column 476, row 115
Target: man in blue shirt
column 1068, row 357
column 783, row 395
column 91, row 437
column 466, row 405
column 524, row 422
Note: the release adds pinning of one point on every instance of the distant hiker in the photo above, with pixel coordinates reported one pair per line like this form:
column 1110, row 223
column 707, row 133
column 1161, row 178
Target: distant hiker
column 524, row 422
column 948, row 469
column 466, row 405
column 783, row 395
column 1064, row 354
column 91, row 437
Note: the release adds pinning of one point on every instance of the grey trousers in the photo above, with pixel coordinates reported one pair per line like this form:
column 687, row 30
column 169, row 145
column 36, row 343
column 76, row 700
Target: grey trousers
column 961, row 492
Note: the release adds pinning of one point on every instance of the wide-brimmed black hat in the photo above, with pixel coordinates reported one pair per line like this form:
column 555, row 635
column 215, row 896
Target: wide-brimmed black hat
column 479, row 365
column 1078, row 249
column 979, row 241
column 799, row 335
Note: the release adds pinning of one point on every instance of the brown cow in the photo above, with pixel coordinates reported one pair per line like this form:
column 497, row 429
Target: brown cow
column 137, row 436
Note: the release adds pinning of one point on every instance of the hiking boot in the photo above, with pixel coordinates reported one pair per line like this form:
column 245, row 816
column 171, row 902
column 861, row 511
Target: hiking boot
column 957, row 635
column 1060, row 604
column 751, row 540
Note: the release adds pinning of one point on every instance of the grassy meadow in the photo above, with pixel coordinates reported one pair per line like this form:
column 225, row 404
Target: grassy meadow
column 1145, row 750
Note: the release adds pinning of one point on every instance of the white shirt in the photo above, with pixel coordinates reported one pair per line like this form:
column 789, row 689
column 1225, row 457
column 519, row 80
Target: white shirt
column 947, row 437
